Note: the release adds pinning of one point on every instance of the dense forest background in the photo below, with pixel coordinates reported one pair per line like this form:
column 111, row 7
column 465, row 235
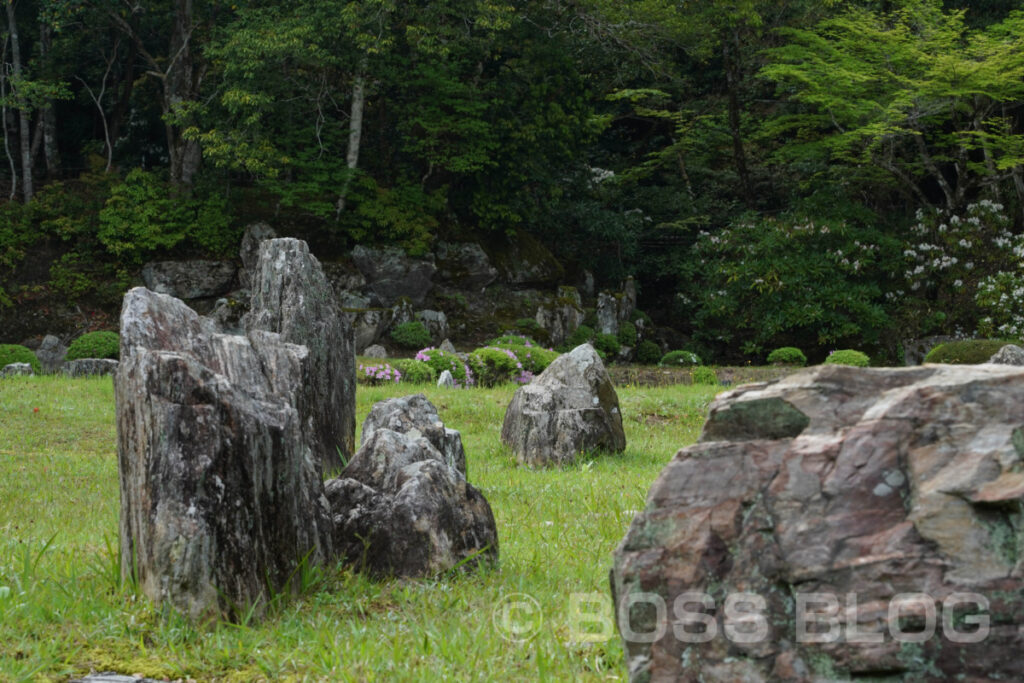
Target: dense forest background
column 817, row 173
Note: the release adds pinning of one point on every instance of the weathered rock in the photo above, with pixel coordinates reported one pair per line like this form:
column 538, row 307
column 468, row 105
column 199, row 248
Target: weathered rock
column 570, row 408
column 51, row 354
column 629, row 291
column 1011, row 354
column 89, row 367
column 368, row 325
column 447, row 346
column 464, row 265
column 190, row 279
column 403, row 506
column 402, row 312
column 561, row 317
column 607, row 313
column 292, row 297
column 827, row 494
column 446, row 380
column 436, row 323
column 522, row 261
column 221, row 495
column 391, row 274
column 914, row 350
column 16, row 370
column 375, row 351
column 588, row 283
column 249, row 251
column 229, row 312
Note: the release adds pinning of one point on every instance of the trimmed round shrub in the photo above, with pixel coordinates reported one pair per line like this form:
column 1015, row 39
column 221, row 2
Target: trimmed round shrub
column 441, row 360
column 16, row 353
column 607, row 344
column 493, row 365
column 414, row 371
column 95, row 345
column 857, row 359
column 514, row 339
column 375, row 374
column 966, row 352
column 787, row 355
column 627, row 334
column 702, row 374
column 680, row 358
column 411, row 335
column 648, row 353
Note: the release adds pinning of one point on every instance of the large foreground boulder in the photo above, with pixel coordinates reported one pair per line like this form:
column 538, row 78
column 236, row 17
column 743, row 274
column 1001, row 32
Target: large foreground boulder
column 839, row 523
column 403, row 506
column 291, row 297
column 570, row 408
column 221, row 494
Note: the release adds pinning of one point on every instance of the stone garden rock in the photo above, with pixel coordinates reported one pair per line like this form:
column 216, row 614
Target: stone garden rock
column 51, row 354
column 561, row 317
column 464, row 265
column 249, row 251
column 403, row 506
column 447, row 346
column 853, row 484
column 375, row 351
column 291, row 297
column 190, row 279
column 523, row 261
column 1011, row 354
column 446, row 380
column 221, row 493
column 402, row 312
column 368, row 326
column 436, row 323
column 391, row 274
column 570, row 408
column 89, row 367
column 607, row 313
column 16, row 370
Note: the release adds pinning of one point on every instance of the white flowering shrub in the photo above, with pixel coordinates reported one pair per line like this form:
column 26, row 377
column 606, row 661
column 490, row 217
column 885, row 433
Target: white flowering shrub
column 963, row 273
column 769, row 282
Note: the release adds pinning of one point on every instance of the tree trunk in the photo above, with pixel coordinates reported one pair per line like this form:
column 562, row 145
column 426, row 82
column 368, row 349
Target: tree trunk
column 355, row 133
column 3, row 113
column 732, row 81
column 24, row 125
column 181, row 84
column 48, row 119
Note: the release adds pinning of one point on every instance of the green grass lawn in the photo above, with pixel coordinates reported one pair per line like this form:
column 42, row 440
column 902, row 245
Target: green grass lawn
column 63, row 611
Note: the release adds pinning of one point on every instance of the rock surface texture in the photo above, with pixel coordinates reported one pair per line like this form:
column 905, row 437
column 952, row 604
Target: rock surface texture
column 832, row 495
column 403, row 506
column 16, row 369
column 89, row 367
column 291, row 297
column 51, row 354
column 221, row 494
column 570, row 408
column 1011, row 354
column 190, row 279
column 562, row 316
column 391, row 274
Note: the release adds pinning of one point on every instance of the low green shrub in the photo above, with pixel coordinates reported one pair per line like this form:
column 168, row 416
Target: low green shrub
column 581, row 335
column 680, row 358
column 787, row 355
column 966, row 352
column 16, row 353
column 857, row 359
column 702, row 374
column 514, row 339
column 411, row 335
column 414, row 371
column 95, row 345
column 441, row 360
column 607, row 344
column 493, row 365
column 637, row 315
column 627, row 334
column 648, row 353
column 531, row 327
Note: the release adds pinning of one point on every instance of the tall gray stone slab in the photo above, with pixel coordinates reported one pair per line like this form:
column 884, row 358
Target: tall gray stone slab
column 291, row 296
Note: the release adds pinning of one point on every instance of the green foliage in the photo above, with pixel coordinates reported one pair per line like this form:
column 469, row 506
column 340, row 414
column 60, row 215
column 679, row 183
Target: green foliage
column 702, row 374
column 95, row 345
column 414, row 371
column 607, row 344
column 763, row 281
column 965, row 352
column 440, row 361
column 639, row 316
column 16, row 353
column 627, row 334
column 648, row 353
column 411, row 335
column 378, row 373
column 787, row 355
column 679, row 358
column 581, row 335
column 492, row 366
column 848, row 357
column 513, row 339
column 531, row 327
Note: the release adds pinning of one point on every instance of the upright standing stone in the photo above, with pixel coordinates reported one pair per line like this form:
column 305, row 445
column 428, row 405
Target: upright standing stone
column 51, row 354
column 221, row 496
column 571, row 407
column 291, row 296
